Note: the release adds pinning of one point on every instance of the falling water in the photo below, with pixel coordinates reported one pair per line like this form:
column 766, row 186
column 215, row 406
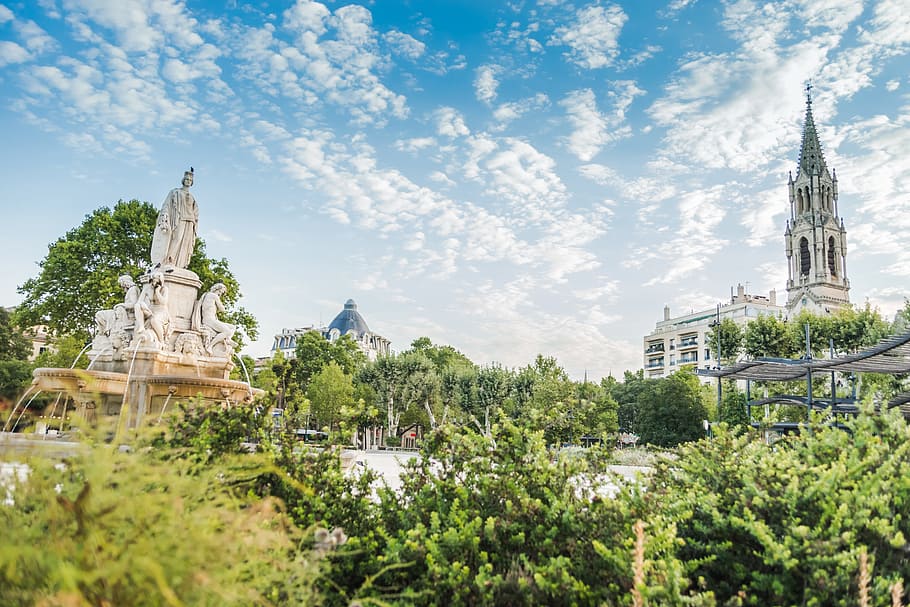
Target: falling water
column 24, row 409
column 62, row 415
column 13, row 412
column 127, row 390
column 164, row 408
column 97, row 356
column 249, row 384
column 87, row 346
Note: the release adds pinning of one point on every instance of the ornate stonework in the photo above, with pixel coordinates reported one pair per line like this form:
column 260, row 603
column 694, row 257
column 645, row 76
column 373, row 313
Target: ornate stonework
column 816, row 240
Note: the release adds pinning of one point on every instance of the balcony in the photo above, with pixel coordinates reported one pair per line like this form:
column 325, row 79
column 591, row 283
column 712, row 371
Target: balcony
column 693, row 358
column 691, row 342
column 655, row 364
column 655, row 348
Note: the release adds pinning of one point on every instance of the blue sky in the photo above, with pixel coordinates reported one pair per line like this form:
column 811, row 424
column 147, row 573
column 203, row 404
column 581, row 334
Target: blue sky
column 510, row 178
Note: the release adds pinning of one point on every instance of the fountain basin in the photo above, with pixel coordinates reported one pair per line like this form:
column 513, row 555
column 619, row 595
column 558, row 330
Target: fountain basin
column 133, row 398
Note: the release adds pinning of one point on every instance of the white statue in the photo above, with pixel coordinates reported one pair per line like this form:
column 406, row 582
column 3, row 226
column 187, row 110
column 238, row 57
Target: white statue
column 122, row 313
column 152, row 316
column 215, row 331
column 175, row 231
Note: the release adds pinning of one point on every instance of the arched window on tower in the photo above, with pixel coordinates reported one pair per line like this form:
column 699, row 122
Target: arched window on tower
column 799, row 202
column 832, row 261
column 805, row 262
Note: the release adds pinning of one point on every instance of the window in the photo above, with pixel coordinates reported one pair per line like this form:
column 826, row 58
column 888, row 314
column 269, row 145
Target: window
column 805, row 263
column 832, row 264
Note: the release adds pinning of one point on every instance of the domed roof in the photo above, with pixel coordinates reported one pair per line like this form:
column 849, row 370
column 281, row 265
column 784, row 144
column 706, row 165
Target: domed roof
column 349, row 319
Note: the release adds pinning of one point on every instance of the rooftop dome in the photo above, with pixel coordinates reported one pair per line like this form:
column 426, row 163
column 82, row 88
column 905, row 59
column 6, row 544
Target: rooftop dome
column 349, row 319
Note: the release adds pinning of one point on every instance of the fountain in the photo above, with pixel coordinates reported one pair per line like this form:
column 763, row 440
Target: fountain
column 163, row 342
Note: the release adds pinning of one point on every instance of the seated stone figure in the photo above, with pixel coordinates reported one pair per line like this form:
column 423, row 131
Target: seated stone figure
column 112, row 327
column 152, row 316
column 216, row 332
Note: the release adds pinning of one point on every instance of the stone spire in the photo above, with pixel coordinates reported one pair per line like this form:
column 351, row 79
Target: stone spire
column 811, row 159
column 815, row 237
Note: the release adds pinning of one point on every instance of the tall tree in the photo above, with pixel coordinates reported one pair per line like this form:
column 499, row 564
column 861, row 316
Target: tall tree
column 313, row 352
column 671, row 411
column 767, row 336
column 15, row 370
column 386, row 375
column 730, row 335
column 330, row 391
column 79, row 275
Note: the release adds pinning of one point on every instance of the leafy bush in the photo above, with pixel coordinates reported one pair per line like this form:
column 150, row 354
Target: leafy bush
column 124, row 529
column 786, row 525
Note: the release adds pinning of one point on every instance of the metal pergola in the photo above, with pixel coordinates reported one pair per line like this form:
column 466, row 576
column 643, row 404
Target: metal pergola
column 889, row 356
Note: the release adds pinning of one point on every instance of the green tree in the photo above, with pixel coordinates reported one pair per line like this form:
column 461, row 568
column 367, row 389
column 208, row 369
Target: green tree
column 853, row 330
column 313, row 352
column 79, row 275
column 442, row 357
column 421, row 388
column 628, row 395
column 671, row 411
column 15, row 370
column 387, row 376
column 330, row 391
column 767, row 336
column 731, row 340
column 483, row 393
column 733, row 407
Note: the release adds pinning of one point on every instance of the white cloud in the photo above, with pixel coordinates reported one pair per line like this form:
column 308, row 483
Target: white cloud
column 892, row 85
column 694, row 240
column 593, row 36
column 589, row 127
column 139, row 25
column 450, row 123
column 5, row 14
column 415, row 144
column 485, row 83
column 405, row 45
column 507, row 112
column 34, row 38
column 10, row 52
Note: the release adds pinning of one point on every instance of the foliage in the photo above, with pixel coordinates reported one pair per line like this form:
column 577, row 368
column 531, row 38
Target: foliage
column 314, row 352
column 733, row 407
column 79, row 275
column 767, row 336
column 15, row 376
column 329, row 392
column 112, row 528
column 204, row 434
column 785, row 526
column 443, row 357
column 498, row 521
column 13, row 343
column 671, row 411
column 730, row 335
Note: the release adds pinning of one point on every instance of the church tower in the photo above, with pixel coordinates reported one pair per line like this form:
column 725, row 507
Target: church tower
column 815, row 237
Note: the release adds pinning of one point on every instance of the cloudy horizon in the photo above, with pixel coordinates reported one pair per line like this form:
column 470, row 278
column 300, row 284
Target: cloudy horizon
column 510, row 179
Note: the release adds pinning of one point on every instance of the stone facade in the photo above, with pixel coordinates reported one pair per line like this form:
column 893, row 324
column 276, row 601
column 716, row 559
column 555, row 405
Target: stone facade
column 681, row 341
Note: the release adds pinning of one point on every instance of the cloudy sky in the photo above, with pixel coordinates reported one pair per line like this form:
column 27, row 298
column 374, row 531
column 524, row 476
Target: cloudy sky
column 510, row 178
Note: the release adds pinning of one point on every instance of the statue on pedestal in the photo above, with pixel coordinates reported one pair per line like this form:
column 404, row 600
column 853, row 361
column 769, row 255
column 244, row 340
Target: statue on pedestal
column 175, row 231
